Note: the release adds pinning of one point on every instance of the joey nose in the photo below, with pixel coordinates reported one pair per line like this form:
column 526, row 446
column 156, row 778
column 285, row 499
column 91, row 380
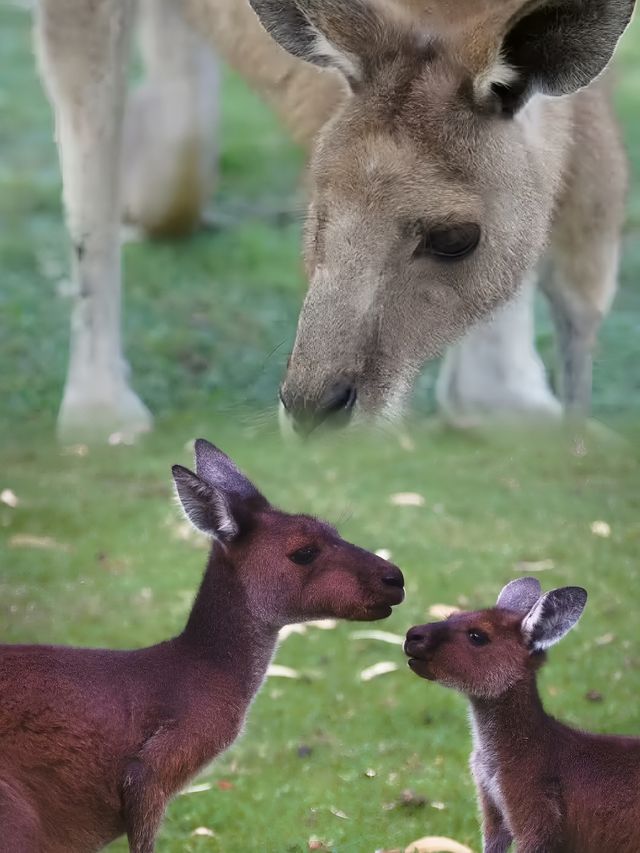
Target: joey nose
column 333, row 407
column 415, row 640
column 416, row 634
column 393, row 577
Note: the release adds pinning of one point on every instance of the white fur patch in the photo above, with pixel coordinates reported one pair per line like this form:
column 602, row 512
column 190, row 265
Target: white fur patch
column 343, row 61
column 484, row 764
column 499, row 74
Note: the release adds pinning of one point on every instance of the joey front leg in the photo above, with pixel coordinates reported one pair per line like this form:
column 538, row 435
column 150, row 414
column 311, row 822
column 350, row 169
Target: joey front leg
column 83, row 48
column 496, row 837
column 541, row 828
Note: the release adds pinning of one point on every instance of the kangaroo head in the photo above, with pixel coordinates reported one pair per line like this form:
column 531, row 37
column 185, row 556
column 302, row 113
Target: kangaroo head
column 289, row 567
column 432, row 190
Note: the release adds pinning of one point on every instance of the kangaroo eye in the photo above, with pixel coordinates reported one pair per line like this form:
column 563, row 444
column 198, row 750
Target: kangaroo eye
column 451, row 243
column 477, row 638
column 304, row 556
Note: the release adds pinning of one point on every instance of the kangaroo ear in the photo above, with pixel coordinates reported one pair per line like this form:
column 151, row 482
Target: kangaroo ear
column 219, row 499
column 338, row 34
column 556, row 47
column 520, row 595
column 215, row 468
column 552, row 616
column 205, row 507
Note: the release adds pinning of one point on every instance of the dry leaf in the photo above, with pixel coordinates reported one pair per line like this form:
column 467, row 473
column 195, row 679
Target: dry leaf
column 204, row 831
column 9, row 498
column 323, row 624
column 315, row 843
column 601, row 528
column 277, row 671
column 407, row 499
column 338, row 813
column 185, row 532
column 381, row 668
column 384, row 553
column 604, row 640
column 288, row 630
column 382, row 636
column 406, row 442
column 442, row 611
column 437, row 844
column 534, row 566
column 410, row 799
column 196, row 789
column 26, row 540
column 76, row 450
column 144, row 596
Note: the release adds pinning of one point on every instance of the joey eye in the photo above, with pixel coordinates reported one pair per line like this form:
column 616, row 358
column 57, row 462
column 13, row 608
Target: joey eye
column 304, row 556
column 449, row 243
column 477, row 638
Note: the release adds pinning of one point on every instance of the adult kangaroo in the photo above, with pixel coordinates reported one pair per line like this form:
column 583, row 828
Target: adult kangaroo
column 464, row 157
column 444, row 121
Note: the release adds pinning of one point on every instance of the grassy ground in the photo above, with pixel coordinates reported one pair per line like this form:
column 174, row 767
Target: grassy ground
column 93, row 554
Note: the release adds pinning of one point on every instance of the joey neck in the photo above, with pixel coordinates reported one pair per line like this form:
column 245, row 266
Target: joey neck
column 512, row 719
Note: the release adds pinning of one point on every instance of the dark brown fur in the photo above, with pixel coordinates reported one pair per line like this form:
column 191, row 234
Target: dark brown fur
column 94, row 743
column 546, row 786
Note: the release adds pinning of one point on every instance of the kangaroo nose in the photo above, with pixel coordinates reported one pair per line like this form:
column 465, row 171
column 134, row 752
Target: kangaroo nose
column 393, row 577
column 416, row 634
column 416, row 637
column 335, row 405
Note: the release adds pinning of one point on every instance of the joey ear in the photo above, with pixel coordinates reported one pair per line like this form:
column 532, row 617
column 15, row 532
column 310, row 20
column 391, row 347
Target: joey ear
column 557, row 47
column 205, row 506
column 329, row 33
column 553, row 616
column 520, row 595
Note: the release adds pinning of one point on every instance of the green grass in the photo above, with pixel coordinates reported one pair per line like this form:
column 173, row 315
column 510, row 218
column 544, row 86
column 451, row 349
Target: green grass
column 114, row 571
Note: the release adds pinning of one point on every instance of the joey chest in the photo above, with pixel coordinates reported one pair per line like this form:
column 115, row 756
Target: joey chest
column 486, row 772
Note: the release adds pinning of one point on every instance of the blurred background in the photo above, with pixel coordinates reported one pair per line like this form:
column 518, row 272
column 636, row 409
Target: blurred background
column 93, row 551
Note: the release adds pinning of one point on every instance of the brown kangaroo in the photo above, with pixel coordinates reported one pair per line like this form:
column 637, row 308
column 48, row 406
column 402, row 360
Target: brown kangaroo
column 94, row 743
column 546, row 786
